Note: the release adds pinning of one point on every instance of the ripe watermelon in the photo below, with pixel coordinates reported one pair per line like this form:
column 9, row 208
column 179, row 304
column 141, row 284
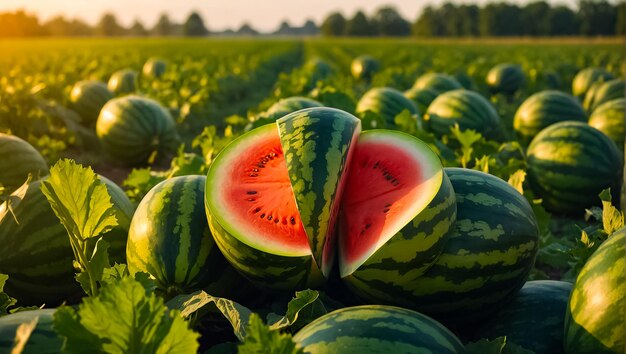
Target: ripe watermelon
column 543, row 109
column 594, row 320
column 154, row 68
column 488, row 256
column 421, row 97
column 505, row 78
column 569, row 164
column 123, row 82
column 437, row 82
column 132, row 128
column 387, row 103
column 534, row 318
column 36, row 253
column 398, row 209
column 376, row 329
column 364, row 67
column 609, row 119
column 585, row 78
column 290, row 105
column 603, row 92
column 88, row 98
column 19, row 159
column 43, row 340
column 318, row 69
column 466, row 108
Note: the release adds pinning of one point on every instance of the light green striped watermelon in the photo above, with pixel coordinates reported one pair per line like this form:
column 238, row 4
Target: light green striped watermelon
column 585, row 78
column 421, row 97
column 546, row 108
column 595, row 319
column 154, row 68
column 609, row 118
column 604, row 92
column 569, row 164
column 132, row 129
column 123, row 82
column 489, row 253
column 18, row 159
column 387, row 103
column 43, row 339
column 437, row 82
column 376, row 329
column 290, row 105
column 88, row 98
column 466, row 108
column 317, row 144
column 36, row 253
column 534, row 319
column 364, row 67
column 169, row 238
column 398, row 209
column 505, row 78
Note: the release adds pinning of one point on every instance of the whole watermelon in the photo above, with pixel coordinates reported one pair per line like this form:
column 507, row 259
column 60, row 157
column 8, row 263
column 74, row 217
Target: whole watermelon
column 489, row 254
column 421, row 97
column 534, row 319
column 43, row 339
column 609, row 119
column 594, row 320
column 376, row 329
column 123, row 82
column 585, row 78
column 88, row 98
column 437, row 82
column 603, row 92
column 289, row 105
column 37, row 255
column 132, row 128
column 543, row 109
column 387, row 103
column 19, row 158
column 466, row 108
column 154, row 68
column 569, row 164
column 505, row 78
column 364, row 67
column 318, row 69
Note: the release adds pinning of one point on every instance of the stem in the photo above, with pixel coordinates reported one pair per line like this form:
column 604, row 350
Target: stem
column 83, row 260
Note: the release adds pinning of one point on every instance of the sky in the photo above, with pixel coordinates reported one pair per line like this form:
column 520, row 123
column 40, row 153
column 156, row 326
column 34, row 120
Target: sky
column 264, row 15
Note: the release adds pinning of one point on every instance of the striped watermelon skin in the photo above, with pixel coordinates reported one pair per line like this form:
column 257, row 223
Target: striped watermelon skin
column 489, row 253
column 18, row 159
column 421, row 97
column 290, row 105
column 544, row 109
column 123, row 82
column 88, row 98
column 169, row 237
column 585, row 78
column 437, row 82
column 132, row 128
column 594, row 320
column 154, row 68
column 376, row 329
column 364, row 67
column 505, row 78
column 391, row 274
column 317, row 144
column 43, row 340
column 603, row 92
column 569, row 164
column 387, row 103
column 609, row 119
column 534, row 319
column 466, row 108
column 36, row 253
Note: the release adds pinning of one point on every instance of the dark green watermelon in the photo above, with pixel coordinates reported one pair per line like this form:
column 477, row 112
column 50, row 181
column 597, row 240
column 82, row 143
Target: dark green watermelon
column 505, row 78
column 154, row 68
column 123, row 82
column 387, row 103
column 604, row 92
column 18, row 159
column 43, row 339
column 422, row 97
column 364, row 67
column 585, row 78
column 609, row 119
column 437, row 82
column 88, row 98
column 290, row 105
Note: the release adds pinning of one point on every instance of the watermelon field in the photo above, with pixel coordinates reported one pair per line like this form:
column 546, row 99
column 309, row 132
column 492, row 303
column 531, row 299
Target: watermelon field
column 312, row 196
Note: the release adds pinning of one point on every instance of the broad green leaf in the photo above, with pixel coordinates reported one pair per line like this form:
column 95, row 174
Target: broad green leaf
column 261, row 339
column 5, row 300
column 612, row 218
column 517, row 180
column 13, row 200
column 23, row 334
column 371, row 120
column 406, row 122
column 305, row 307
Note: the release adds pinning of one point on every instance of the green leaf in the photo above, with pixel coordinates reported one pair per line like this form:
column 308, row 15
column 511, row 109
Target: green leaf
column 140, row 181
column 124, row 318
column 261, row 339
column 22, row 335
column 406, row 122
column 5, row 300
column 13, row 200
column 612, row 218
column 517, row 180
column 305, row 307
column 371, row 120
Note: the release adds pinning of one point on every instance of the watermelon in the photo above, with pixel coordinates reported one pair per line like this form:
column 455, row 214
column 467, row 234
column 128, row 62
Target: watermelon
column 488, row 256
column 364, row 67
column 543, row 109
column 290, row 105
column 585, row 78
column 43, row 339
column 609, row 119
column 154, row 68
column 505, row 78
column 569, row 164
column 132, row 128
column 398, row 209
column 19, row 159
column 318, row 69
column 387, row 103
column 466, row 108
column 421, row 97
column 376, row 329
column 88, row 98
column 437, row 82
column 596, row 311
column 534, row 319
column 169, row 238
column 603, row 92
column 123, row 82
column 37, row 255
